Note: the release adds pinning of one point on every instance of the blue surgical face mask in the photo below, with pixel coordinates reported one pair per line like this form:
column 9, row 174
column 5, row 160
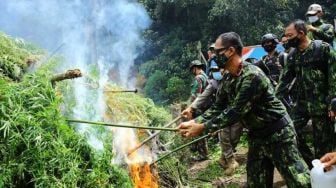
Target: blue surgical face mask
column 313, row 19
column 217, row 75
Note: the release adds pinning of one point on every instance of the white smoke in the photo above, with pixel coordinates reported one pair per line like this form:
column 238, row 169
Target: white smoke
column 106, row 33
column 125, row 140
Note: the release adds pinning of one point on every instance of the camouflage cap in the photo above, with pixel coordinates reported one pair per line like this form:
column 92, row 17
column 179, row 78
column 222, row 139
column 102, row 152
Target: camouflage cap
column 314, row 9
column 196, row 63
column 212, row 46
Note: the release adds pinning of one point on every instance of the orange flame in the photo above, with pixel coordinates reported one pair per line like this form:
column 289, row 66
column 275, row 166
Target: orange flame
column 125, row 140
column 141, row 172
column 142, row 176
column 138, row 161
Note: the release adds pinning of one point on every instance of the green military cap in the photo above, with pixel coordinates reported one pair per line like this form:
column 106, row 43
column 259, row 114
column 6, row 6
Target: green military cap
column 196, row 63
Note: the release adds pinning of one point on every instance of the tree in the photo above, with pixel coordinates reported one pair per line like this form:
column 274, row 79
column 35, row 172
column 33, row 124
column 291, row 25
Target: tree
column 176, row 89
column 179, row 24
column 155, row 86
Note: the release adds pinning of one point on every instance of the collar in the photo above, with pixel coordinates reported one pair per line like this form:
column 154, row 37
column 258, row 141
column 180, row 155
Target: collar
column 304, row 50
column 276, row 54
column 240, row 69
column 317, row 23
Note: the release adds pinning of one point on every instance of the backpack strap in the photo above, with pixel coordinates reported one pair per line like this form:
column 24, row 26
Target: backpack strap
column 262, row 65
column 316, row 61
column 317, row 50
column 283, row 58
column 291, row 52
column 317, row 57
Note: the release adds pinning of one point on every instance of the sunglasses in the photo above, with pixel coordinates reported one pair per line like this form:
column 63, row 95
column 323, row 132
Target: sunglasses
column 219, row 50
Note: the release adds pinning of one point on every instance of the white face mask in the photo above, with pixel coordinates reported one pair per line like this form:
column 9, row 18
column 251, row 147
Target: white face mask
column 313, row 19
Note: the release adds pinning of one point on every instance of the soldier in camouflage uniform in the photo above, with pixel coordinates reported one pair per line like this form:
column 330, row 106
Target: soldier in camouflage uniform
column 314, row 66
column 270, row 63
column 317, row 29
column 201, row 80
column 251, row 99
column 230, row 136
column 198, row 86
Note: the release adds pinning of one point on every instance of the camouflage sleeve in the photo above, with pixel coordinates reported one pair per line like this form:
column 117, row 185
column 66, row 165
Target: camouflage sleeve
column 285, row 80
column 203, row 99
column 251, row 88
column 325, row 33
column 194, row 88
column 214, row 110
column 331, row 56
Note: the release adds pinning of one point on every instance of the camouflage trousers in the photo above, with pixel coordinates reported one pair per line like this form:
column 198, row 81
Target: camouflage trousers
column 279, row 150
column 201, row 147
column 315, row 142
column 229, row 138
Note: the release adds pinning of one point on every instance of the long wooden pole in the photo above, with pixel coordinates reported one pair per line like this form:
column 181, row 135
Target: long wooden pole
column 179, row 148
column 122, row 91
column 153, row 136
column 183, row 146
column 122, row 125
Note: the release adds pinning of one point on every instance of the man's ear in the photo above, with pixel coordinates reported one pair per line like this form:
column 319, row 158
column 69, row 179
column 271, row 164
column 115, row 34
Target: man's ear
column 320, row 14
column 232, row 50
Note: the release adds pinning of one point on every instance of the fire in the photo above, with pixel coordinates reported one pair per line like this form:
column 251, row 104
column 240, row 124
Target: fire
column 141, row 171
column 142, row 176
column 125, row 140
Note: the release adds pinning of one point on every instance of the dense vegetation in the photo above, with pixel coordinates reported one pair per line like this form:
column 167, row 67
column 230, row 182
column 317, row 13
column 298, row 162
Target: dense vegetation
column 37, row 147
column 179, row 24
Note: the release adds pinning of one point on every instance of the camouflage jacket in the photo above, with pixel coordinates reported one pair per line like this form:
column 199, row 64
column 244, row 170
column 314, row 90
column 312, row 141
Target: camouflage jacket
column 315, row 78
column 205, row 100
column 199, row 84
column 271, row 66
column 325, row 32
column 249, row 97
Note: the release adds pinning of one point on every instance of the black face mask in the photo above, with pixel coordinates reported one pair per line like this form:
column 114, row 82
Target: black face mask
column 269, row 48
column 294, row 42
column 221, row 60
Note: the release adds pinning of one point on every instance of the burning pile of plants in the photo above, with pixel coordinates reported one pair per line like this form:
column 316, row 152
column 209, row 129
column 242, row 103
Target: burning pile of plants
column 37, row 147
column 132, row 108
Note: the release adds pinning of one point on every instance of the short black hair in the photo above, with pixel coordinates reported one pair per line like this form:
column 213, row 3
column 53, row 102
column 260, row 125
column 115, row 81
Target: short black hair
column 299, row 25
column 232, row 39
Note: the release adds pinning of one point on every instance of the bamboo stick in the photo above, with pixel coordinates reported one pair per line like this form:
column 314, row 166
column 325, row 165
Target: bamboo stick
column 153, row 136
column 122, row 91
column 183, row 146
column 122, row 125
